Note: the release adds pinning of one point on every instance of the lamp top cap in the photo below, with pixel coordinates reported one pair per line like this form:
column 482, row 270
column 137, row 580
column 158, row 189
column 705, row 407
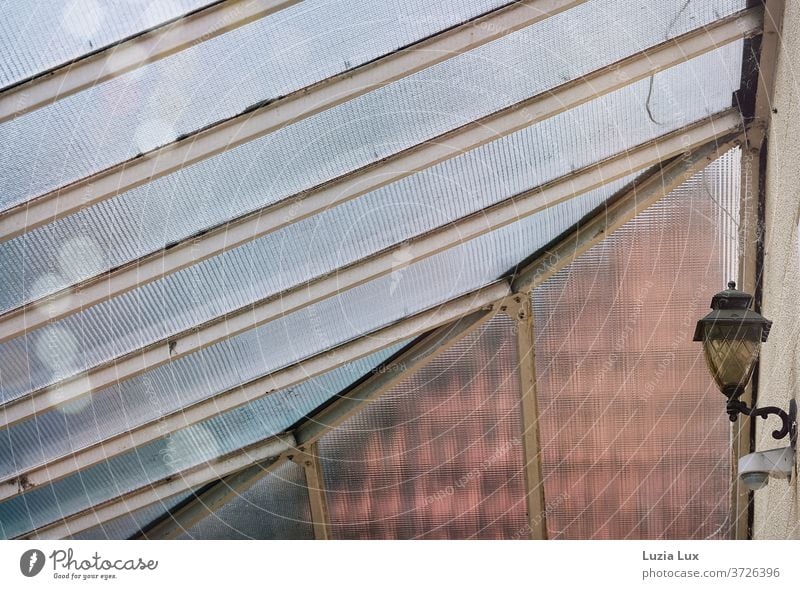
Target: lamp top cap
column 731, row 298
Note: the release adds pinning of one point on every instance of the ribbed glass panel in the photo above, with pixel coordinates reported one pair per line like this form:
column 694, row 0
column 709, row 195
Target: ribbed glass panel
column 635, row 439
column 124, row 527
column 437, row 456
column 422, row 285
column 357, row 229
column 212, row 81
column 181, row 449
column 37, row 36
column 275, row 508
column 271, row 57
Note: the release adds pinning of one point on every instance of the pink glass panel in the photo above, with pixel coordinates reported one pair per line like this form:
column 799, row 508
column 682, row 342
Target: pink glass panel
column 634, row 433
column 439, row 455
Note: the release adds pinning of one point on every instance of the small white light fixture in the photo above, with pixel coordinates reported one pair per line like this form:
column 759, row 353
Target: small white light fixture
column 756, row 469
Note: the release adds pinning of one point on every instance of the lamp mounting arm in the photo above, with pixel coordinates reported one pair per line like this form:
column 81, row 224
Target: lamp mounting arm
column 789, row 419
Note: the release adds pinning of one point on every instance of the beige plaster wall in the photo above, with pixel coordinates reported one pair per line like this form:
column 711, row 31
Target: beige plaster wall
column 777, row 509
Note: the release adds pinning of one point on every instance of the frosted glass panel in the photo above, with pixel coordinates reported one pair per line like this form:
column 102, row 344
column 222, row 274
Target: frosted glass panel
column 38, row 35
column 634, row 433
column 213, row 81
column 439, row 455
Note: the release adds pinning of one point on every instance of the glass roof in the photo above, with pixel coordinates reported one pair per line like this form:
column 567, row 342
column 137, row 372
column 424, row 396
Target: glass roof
column 113, row 122
column 362, row 227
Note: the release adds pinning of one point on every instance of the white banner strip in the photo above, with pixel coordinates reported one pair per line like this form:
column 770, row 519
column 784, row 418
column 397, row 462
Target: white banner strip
column 400, row 564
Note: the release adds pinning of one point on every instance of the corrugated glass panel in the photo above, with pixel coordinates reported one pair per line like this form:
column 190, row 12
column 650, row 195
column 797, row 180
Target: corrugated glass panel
column 437, row 456
column 220, row 78
column 406, row 291
column 636, row 443
column 38, row 36
column 126, row 526
column 209, row 82
column 275, row 508
column 357, row 229
column 262, row 172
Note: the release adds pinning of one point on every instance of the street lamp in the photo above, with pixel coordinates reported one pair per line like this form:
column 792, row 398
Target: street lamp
column 732, row 335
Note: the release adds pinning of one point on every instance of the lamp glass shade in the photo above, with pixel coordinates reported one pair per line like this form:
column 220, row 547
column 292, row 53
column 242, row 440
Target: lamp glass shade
column 731, row 352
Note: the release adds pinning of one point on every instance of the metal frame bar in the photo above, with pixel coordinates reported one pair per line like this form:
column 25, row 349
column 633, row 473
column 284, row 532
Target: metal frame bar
column 311, row 429
column 272, row 447
column 241, row 394
column 519, row 309
column 132, row 53
column 230, row 235
column 761, row 84
column 264, row 119
column 365, row 270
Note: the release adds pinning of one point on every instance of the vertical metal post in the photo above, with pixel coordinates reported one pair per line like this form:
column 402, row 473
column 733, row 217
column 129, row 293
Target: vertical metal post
column 315, row 482
column 519, row 309
column 748, row 279
column 755, row 102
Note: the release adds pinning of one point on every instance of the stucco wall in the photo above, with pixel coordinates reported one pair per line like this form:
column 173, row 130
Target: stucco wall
column 777, row 508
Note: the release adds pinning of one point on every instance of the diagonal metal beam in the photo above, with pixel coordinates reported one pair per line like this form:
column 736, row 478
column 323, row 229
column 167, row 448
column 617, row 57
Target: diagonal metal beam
column 620, row 209
column 135, row 52
column 471, row 305
column 228, row 236
column 264, row 119
column 363, row 271
column 165, row 488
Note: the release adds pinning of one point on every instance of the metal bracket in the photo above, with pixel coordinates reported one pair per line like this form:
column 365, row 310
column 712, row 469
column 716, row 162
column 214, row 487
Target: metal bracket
column 299, row 456
column 789, row 420
column 515, row 306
